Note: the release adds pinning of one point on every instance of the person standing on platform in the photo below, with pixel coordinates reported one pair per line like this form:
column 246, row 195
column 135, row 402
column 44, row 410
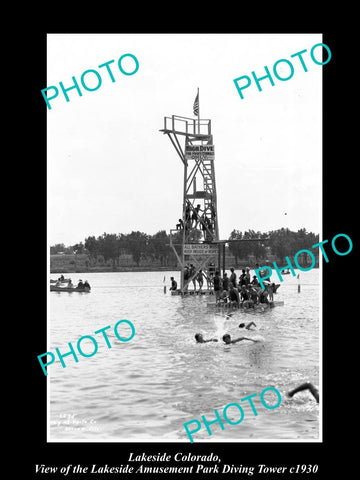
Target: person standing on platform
column 200, row 279
column 247, row 276
column 217, row 286
column 242, row 280
column 196, row 216
column 233, row 277
column 173, row 284
column 225, row 282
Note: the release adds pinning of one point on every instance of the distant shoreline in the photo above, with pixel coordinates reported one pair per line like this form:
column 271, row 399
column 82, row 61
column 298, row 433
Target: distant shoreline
column 79, row 263
column 112, row 270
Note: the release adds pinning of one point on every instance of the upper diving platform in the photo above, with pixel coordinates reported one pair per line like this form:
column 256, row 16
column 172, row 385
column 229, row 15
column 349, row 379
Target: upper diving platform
column 197, row 129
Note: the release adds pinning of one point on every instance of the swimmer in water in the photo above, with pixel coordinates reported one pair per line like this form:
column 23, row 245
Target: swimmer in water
column 200, row 339
column 305, row 386
column 227, row 339
column 248, row 326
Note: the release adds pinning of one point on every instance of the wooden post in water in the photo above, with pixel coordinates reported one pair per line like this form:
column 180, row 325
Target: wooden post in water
column 298, row 282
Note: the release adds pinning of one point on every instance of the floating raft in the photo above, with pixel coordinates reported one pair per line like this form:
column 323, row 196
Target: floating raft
column 67, row 289
column 234, row 306
column 192, row 292
column 66, row 280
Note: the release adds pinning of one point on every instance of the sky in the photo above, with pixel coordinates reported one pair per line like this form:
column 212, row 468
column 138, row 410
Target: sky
column 110, row 169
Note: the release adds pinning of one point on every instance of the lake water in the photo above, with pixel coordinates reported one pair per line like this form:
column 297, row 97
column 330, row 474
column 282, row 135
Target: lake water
column 147, row 388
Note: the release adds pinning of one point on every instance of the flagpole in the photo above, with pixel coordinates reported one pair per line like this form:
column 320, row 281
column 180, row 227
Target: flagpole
column 198, row 110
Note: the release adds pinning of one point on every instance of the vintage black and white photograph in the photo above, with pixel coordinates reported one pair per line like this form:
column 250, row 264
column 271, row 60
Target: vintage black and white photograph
column 184, row 236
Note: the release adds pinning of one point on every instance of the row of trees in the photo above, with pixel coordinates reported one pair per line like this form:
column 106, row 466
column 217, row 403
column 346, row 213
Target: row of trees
column 280, row 243
column 139, row 245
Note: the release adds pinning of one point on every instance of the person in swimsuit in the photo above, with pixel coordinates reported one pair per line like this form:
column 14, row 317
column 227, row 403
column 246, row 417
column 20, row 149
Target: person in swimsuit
column 242, row 280
column 225, row 282
column 233, row 277
column 305, row 386
column 227, row 339
column 217, row 285
column 234, row 296
column 200, row 279
column 247, row 326
column 173, row 284
column 200, row 339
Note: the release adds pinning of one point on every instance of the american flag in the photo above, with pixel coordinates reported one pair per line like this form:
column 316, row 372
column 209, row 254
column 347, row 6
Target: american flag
column 196, row 105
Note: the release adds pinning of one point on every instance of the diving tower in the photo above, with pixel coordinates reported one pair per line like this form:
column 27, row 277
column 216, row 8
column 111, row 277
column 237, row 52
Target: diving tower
column 195, row 239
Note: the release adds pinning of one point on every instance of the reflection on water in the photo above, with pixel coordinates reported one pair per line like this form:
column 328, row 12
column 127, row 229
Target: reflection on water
column 145, row 389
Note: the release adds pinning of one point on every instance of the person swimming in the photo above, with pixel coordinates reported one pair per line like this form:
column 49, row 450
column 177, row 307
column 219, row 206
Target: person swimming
column 247, row 326
column 227, row 339
column 305, row 386
column 200, row 339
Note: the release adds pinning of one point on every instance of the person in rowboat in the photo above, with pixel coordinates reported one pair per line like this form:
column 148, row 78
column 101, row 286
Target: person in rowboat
column 200, row 339
column 227, row 339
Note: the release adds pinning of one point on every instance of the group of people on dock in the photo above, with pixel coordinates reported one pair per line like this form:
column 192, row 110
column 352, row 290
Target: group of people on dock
column 243, row 291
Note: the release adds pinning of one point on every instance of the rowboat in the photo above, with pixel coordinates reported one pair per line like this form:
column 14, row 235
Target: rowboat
column 234, row 306
column 65, row 280
column 68, row 289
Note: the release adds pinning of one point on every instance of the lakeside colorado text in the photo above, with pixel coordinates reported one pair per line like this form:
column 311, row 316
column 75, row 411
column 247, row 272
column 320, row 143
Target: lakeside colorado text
column 200, row 468
column 80, row 349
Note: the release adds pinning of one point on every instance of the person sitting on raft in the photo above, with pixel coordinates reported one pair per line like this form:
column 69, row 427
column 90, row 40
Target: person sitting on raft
column 234, row 296
column 227, row 339
column 87, row 284
column 253, row 294
column 70, row 284
column 80, row 284
column 200, row 339
column 263, row 295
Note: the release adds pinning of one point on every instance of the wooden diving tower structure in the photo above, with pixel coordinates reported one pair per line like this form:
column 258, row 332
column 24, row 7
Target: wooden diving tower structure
column 195, row 241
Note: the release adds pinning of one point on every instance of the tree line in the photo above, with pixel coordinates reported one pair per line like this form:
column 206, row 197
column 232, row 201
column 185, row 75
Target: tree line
column 280, row 243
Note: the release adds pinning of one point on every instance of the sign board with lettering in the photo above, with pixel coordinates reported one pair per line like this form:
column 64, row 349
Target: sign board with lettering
column 200, row 249
column 199, row 152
